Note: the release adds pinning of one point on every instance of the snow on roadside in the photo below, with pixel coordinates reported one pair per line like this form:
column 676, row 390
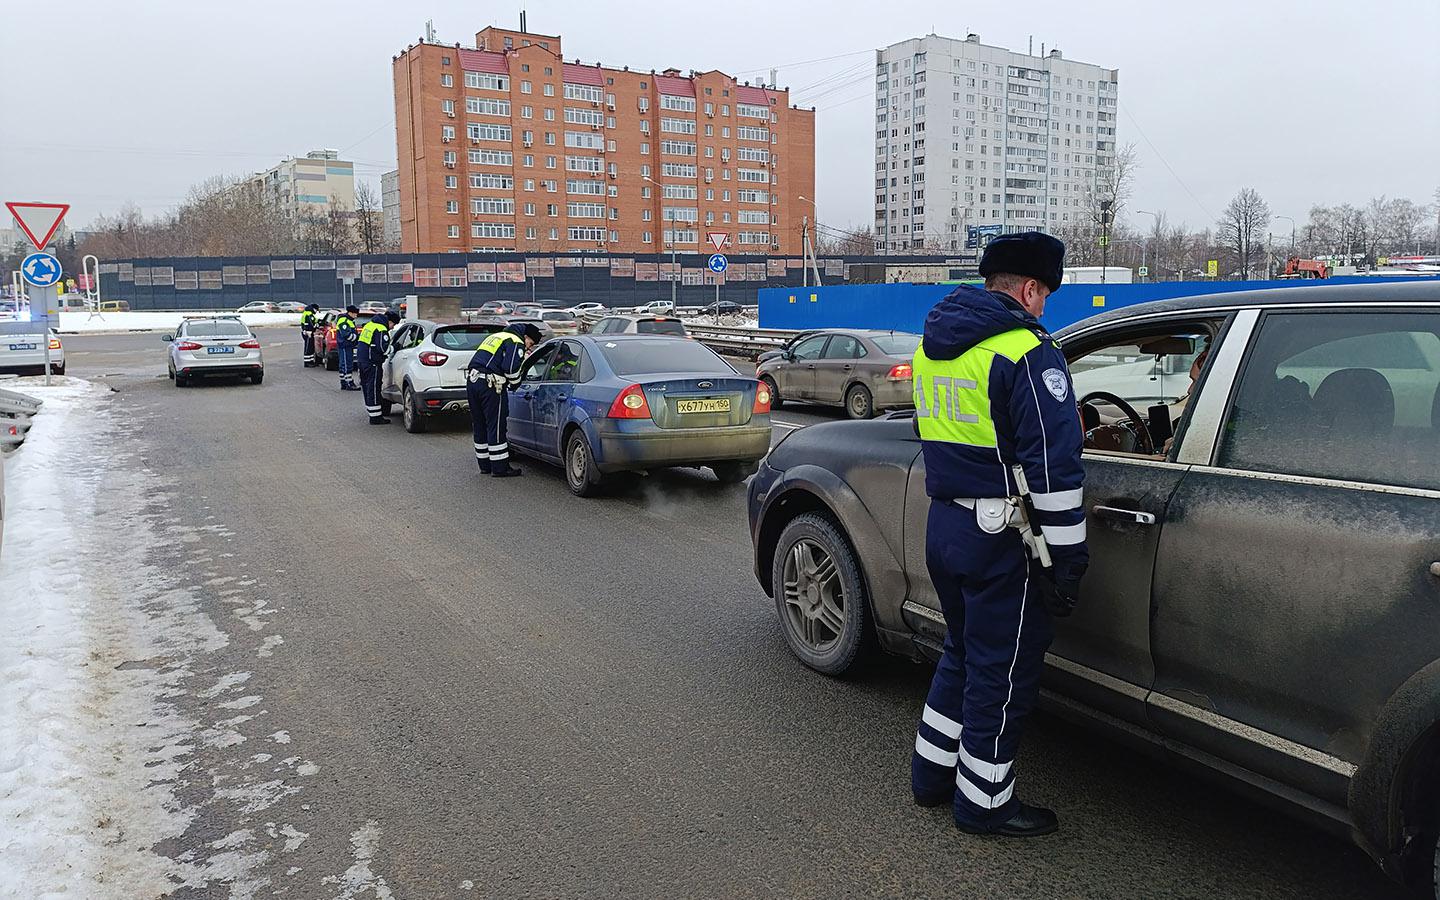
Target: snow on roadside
column 101, row 323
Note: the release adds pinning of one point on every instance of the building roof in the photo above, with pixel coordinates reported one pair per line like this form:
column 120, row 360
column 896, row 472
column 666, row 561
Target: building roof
column 483, row 61
column 575, row 73
column 747, row 94
column 674, row 85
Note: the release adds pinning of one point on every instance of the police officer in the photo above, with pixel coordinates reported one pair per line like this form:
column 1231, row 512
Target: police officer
column 373, row 341
column 1002, row 440
column 307, row 332
column 346, row 337
column 493, row 371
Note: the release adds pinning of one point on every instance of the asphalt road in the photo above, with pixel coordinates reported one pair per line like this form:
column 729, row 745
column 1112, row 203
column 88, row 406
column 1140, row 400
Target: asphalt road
column 498, row 689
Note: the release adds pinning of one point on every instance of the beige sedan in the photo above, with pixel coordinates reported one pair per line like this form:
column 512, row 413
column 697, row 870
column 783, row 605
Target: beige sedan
column 864, row 371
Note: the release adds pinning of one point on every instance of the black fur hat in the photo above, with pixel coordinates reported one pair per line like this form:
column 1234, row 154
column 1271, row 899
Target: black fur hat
column 1032, row 254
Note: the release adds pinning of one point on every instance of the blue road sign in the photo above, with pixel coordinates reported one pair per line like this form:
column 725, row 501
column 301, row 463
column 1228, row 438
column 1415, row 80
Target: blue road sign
column 718, row 262
column 41, row 269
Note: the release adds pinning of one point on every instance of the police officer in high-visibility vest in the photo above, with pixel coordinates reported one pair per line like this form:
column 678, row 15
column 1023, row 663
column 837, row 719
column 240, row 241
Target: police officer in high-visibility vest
column 346, row 338
column 307, row 332
column 493, row 372
column 374, row 340
column 1005, row 540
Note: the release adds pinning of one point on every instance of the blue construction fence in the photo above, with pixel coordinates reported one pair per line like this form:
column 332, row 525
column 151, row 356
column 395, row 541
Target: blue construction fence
column 903, row 307
column 613, row 280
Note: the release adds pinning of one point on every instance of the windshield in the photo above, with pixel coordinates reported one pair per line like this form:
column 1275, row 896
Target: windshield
column 647, row 356
column 557, row 317
column 463, row 337
column 897, row 344
column 666, row 326
column 219, row 328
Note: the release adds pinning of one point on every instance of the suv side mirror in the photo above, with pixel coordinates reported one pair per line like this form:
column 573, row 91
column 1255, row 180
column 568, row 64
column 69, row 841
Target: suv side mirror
column 168, row 338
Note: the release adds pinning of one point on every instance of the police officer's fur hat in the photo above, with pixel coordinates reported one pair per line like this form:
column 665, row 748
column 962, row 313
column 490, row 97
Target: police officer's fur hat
column 353, row 310
column 524, row 330
column 1030, row 254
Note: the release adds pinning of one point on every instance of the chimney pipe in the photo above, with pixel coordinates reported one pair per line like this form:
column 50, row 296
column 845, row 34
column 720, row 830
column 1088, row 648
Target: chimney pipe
column 522, row 22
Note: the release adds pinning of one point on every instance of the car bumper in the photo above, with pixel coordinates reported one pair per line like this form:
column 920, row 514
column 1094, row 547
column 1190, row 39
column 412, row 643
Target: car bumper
column 655, row 447
column 893, row 394
column 219, row 363
column 439, row 400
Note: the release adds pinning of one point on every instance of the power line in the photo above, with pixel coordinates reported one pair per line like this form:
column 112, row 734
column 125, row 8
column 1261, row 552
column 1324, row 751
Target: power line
column 1165, row 162
column 804, row 62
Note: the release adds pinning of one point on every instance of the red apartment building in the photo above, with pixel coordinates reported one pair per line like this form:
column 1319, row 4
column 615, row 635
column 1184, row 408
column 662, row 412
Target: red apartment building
column 509, row 147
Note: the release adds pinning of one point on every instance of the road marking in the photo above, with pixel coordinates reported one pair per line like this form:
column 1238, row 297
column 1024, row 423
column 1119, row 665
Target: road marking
column 278, row 344
column 785, row 424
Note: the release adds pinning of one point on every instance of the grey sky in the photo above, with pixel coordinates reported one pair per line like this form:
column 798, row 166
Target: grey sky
column 1318, row 102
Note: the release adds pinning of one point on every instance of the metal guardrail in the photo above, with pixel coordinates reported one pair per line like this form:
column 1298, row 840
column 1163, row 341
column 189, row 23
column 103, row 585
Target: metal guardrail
column 740, row 341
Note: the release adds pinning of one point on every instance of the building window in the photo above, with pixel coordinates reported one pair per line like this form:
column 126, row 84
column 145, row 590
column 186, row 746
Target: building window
column 677, row 148
column 529, row 161
column 644, row 148
column 452, row 181
column 677, row 126
column 645, row 193
column 587, row 92
column 725, row 107
column 679, row 104
column 678, row 170
column 452, row 207
column 453, row 231
column 492, row 230
column 749, row 133
column 447, row 81
column 709, row 107
column 481, row 132
column 487, row 81
column 525, row 87
column 644, row 215
column 529, row 184
column 550, row 138
column 582, row 116
column 646, row 237
column 645, row 170
column 581, row 233
column 584, row 186
column 724, row 131
column 644, row 101
column 681, row 236
column 487, row 106
column 549, row 162
column 489, row 181
column 709, row 193
column 577, row 210
column 500, row 206
column 582, row 164
column 447, row 107
column 585, row 140
column 450, row 158
column 492, row 158
column 527, row 112
column 680, row 214
column 447, row 132
column 548, row 89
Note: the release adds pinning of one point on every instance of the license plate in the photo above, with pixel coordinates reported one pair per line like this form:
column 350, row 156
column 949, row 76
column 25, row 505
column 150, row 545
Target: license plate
column 219, row 349
column 720, row 405
column 24, row 346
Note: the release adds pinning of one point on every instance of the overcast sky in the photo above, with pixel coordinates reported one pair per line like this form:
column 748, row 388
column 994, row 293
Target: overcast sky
column 1308, row 102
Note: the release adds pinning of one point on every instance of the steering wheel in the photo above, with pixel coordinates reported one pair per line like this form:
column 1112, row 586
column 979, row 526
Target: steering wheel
column 1132, row 421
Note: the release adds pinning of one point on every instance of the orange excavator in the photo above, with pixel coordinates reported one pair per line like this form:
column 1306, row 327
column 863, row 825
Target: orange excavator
column 1295, row 267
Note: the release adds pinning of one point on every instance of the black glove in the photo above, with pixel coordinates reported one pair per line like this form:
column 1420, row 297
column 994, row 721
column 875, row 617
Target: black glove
column 1058, row 590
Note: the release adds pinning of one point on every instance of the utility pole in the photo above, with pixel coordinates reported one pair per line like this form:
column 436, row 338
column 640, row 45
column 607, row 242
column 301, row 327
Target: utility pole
column 1104, row 238
column 1145, row 247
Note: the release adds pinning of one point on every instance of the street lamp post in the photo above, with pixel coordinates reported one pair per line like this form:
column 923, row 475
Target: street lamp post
column 1145, row 247
column 1292, row 232
column 806, row 250
column 1104, row 238
column 675, row 275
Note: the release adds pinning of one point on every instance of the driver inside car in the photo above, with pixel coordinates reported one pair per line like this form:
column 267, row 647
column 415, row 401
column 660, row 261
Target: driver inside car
column 1109, row 428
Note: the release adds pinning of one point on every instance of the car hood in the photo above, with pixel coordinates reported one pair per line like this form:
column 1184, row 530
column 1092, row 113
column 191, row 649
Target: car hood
column 969, row 315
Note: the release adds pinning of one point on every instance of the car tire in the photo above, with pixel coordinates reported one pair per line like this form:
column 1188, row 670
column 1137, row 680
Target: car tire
column 859, row 404
column 58, row 370
column 257, row 378
column 775, row 401
column 181, row 380
column 413, row 416
column 332, row 362
column 825, row 610
column 733, row 472
column 581, row 475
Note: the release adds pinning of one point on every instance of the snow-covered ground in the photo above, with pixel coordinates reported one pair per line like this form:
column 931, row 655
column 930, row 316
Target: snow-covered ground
column 96, row 323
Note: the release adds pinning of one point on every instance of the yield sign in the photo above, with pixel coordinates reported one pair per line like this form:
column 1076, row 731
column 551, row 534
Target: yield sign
column 38, row 220
column 718, row 238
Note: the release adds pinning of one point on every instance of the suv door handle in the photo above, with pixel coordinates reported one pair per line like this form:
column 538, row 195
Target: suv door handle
column 1116, row 514
column 1435, row 569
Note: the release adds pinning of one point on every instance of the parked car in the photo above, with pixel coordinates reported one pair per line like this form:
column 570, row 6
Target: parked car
column 327, row 345
column 546, row 303
column 587, row 308
column 290, row 306
column 788, row 345
column 628, row 324
column 1263, row 597
column 722, row 308
column 546, row 332
column 497, row 308
column 425, row 368
column 221, row 345
column 24, row 354
column 863, row 371
column 259, row 306
column 656, row 308
column 602, row 405
column 114, row 306
column 560, row 321
column 371, row 307
column 529, row 310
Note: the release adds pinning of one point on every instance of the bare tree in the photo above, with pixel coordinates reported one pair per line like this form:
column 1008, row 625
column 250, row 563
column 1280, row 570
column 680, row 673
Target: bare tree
column 856, row 240
column 369, row 219
column 1106, row 195
column 1241, row 227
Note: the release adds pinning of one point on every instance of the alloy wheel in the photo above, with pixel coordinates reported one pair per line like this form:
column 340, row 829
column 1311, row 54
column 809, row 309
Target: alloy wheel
column 814, row 595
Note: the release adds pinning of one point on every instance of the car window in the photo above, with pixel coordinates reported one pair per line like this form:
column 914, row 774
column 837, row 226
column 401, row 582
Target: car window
column 844, row 346
column 660, row 326
column 897, row 344
column 565, row 363
column 463, row 337
column 645, row 356
column 810, row 349
column 218, row 328
column 1143, row 372
column 536, row 365
column 603, row 326
column 1351, row 396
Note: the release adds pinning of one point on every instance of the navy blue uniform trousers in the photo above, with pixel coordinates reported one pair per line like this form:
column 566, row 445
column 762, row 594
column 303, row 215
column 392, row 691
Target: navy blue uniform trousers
column 989, row 676
column 488, row 411
column 370, row 384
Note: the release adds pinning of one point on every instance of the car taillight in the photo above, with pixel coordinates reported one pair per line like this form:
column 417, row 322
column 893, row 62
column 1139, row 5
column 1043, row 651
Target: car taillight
column 631, row 404
column 431, row 358
column 250, row 345
column 54, row 343
column 762, row 399
column 900, row 372
column 187, row 345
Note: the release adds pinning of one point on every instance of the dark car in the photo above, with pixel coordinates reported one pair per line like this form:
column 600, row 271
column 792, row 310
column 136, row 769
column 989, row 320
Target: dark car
column 722, row 308
column 863, row 371
column 1263, row 599
column 625, row 403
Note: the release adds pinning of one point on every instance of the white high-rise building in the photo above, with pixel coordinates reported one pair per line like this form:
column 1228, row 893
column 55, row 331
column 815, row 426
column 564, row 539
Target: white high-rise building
column 972, row 141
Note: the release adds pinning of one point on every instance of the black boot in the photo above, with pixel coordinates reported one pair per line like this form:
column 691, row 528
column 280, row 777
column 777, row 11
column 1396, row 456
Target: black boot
column 1028, row 821
column 484, row 465
column 506, row 472
column 379, row 420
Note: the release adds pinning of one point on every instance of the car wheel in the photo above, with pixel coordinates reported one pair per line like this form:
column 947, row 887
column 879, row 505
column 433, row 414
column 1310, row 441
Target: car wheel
column 58, row 370
column 257, row 378
column 414, row 417
column 858, row 402
column 820, row 595
column 332, row 362
column 775, row 401
column 181, row 380
column 581, row 476
column 733, row 472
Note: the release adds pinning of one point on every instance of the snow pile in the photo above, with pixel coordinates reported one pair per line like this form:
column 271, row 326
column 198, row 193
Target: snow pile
column 100, row 323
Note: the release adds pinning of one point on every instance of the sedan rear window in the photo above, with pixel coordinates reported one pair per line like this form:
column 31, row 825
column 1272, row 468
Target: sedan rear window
column 467, row 337
column 647, row 356
column 220, row 328
column 660, row 326
column 897, row 344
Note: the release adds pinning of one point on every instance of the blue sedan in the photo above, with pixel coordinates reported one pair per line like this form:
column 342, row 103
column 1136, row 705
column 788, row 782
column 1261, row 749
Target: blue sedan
column 597, row 405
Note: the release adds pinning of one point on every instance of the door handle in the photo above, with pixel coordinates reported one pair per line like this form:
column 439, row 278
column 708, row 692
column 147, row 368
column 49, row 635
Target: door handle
column 847, row 368
column 1435, row 569
column 1116, row 514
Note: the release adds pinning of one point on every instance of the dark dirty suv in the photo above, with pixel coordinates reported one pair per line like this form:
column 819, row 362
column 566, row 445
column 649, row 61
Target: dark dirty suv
column 1263, row 501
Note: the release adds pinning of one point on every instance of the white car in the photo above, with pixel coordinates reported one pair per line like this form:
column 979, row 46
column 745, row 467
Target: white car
column 222, row 345
column 24, row 354
column 259, row 306
column 425, row 368
column 656, row 308
column 584, row 308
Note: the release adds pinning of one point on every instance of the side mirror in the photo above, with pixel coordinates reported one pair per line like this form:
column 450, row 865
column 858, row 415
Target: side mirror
column 168, row 338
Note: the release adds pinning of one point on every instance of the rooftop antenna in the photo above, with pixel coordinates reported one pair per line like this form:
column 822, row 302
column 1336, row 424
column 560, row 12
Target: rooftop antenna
column 522, row 22
column 772, row 79
column 1030, row 49
column 429, row 31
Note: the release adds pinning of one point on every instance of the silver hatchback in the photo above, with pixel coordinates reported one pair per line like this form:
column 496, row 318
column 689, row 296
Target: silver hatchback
column 222, row 345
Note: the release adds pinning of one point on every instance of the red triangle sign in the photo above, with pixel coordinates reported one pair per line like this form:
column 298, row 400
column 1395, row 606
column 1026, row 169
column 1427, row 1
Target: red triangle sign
column 39, row 221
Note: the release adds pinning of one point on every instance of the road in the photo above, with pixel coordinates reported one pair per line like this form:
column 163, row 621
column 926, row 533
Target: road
column 492, row 688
